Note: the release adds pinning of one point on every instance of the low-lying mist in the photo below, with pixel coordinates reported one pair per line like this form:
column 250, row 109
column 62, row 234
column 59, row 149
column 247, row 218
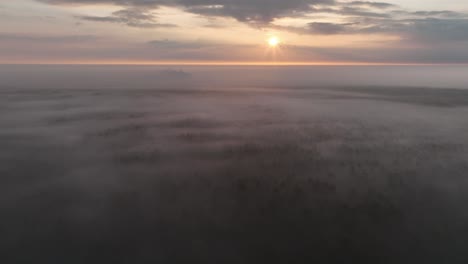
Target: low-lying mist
column 153, row 77
column 233, row 165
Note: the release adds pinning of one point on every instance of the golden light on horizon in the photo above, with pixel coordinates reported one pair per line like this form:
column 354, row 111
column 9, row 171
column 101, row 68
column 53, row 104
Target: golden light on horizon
column 273, row 41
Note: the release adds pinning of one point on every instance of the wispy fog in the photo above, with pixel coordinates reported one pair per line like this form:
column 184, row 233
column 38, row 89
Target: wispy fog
column 154, row 77
column 103, row 164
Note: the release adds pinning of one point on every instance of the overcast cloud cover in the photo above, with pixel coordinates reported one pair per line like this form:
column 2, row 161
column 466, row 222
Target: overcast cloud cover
column 226, row 30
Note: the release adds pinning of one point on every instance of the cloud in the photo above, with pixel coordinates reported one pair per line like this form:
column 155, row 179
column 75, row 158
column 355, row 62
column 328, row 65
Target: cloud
column 443, row 13
column 427, row 31
column 434, row 29
column 366, row 17
column 361, row 12
column 7, row 37
column 133, row 17
column 252, row 11
column 327, row 28
column 259, row 11
column 439, row 34
column 378, row 5
column 359, row 17
column 425, row 27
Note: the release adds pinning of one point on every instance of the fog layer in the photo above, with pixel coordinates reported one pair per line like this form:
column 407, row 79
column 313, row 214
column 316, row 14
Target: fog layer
column 233, row 165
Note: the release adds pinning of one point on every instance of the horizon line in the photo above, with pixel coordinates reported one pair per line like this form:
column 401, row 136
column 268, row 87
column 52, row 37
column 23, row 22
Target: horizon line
column 218, row 63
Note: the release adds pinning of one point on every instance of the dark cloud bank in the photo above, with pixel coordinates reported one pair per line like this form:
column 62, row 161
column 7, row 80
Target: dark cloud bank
column 364, row 17
column 260, row 11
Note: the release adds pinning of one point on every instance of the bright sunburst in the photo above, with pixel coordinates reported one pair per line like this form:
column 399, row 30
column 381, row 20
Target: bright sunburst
column 273, row 41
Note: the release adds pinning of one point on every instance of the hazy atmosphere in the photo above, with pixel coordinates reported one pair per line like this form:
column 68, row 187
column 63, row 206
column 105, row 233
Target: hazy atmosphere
column 222, row 131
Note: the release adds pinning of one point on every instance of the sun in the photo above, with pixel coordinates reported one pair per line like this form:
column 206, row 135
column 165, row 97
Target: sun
column 273, row 41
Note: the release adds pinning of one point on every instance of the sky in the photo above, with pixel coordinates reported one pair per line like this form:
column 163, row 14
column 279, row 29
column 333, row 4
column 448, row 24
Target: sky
column 231, row 32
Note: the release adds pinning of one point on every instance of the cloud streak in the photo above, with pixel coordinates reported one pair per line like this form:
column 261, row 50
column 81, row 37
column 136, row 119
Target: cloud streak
column 366, row 18
column 9, row 37
column 133, row 17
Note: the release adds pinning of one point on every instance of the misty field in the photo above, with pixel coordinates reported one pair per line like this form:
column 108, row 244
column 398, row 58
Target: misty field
column 339, row 174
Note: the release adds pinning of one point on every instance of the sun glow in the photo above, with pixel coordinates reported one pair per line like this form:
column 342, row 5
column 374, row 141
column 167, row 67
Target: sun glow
column 273, row 41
